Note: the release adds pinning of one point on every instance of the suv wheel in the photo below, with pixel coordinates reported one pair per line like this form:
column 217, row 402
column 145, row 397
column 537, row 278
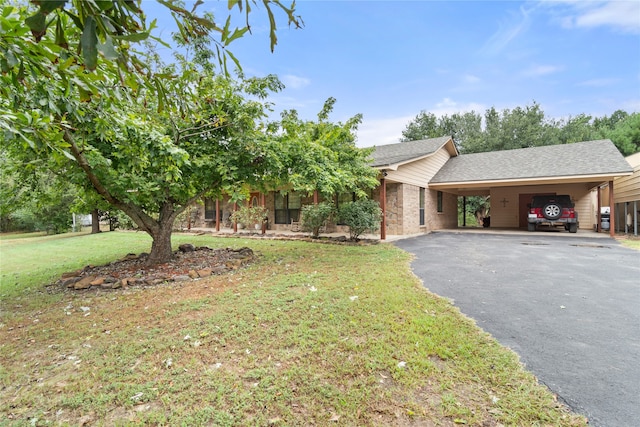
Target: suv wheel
column 531, row 226
column 573, row 228
column 552, row 211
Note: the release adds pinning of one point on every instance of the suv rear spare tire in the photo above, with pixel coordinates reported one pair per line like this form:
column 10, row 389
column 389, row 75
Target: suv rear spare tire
column 552, row 211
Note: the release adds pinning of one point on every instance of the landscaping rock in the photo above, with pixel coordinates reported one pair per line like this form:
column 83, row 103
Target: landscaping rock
column 187, row 264
column 84, row 283
column 186, row 247
column 98, row 282
column 205, row 272
column 69, row 282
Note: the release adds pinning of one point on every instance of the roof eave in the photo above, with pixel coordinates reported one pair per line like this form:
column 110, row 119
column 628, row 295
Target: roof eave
column 453, row 152
column 527, row 181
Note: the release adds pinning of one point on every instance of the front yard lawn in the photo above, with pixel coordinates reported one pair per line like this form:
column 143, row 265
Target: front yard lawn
column 311, row 334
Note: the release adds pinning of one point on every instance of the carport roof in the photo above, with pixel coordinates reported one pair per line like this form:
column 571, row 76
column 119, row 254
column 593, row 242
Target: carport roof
column 581, row 159
column 403, row 152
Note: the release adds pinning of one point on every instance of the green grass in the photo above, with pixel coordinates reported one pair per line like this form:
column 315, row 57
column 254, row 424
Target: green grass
column 633, row 243
column 312, row 334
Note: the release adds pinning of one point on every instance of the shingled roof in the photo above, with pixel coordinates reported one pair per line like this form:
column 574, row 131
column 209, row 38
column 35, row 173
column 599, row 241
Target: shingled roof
column 393, row 154
column 565, row 160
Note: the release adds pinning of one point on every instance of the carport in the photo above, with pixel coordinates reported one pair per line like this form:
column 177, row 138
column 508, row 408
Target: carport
column 512, row 177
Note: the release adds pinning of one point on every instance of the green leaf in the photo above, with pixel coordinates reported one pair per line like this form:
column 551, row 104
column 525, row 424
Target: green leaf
column 76, row 20
column 239, row 32
column 134, row 37
column 38, row 25
column 232, row 3
column 88, row 43
column 20, row 75
column 235, row 60
column 161, row 95
column 104, row 4
column 61, row 40
column 12, row 61
column 49, row 6
column 225, row 30
column 108, row 50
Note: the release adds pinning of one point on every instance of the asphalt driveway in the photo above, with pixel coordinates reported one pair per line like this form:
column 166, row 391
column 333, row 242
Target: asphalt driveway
column 570, row 307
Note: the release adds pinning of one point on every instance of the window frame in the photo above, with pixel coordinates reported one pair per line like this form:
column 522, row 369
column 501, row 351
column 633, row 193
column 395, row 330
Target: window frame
column 210, row 211
column 288, row 209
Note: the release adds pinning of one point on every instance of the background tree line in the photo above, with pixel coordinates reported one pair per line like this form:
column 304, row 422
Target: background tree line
column 525, row 127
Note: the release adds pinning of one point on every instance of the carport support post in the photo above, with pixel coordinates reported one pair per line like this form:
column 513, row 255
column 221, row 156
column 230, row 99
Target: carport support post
column 464, row 211
column 235, row 223
column 598, row 218
column 612, row 216
column 635, row 218
column 263, row 204
column 383, row 206
column 217, row 215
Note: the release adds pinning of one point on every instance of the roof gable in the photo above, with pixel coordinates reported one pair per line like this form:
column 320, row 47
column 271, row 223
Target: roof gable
column 392, row 155
column 581, row 158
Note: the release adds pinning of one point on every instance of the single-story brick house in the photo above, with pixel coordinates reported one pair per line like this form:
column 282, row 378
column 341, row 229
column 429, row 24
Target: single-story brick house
column 421, row 181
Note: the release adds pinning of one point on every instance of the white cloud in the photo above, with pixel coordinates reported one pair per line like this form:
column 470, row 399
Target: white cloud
column 470, row 78
column 507, row 32
column 542, row 70
column 376, row 131
column 389, row 130
column 295, row 82
column 598, row 82
column 620, row 15
column 447, row 107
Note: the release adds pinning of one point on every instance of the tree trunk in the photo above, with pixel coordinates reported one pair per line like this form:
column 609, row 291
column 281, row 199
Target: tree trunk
column 95, row 221
column 161, row 247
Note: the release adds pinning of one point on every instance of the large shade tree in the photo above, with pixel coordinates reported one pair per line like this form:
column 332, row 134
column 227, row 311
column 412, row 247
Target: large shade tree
column 148, row 141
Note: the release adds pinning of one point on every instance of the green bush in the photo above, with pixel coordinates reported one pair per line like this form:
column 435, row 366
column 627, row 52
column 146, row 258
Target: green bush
column 360, row 216
column 315, row 217
column 249, row 215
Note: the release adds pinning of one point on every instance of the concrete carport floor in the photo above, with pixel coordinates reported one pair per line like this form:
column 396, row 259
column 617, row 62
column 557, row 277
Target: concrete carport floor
column 568, row 304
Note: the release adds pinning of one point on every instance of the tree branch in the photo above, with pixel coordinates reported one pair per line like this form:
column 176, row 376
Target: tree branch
column 144, row 221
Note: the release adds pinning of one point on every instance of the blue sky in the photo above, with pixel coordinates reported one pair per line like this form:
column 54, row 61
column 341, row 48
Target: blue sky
column 389, row 60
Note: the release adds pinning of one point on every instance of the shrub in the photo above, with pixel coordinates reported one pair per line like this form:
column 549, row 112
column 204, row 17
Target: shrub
column 315, row 217
column 360, row 216
column 249, row 215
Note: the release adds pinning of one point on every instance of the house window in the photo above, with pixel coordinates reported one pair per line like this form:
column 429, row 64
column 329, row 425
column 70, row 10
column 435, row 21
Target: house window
column 209, row 209
column 287, row 208
column 440, row 202
column 421, row 206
